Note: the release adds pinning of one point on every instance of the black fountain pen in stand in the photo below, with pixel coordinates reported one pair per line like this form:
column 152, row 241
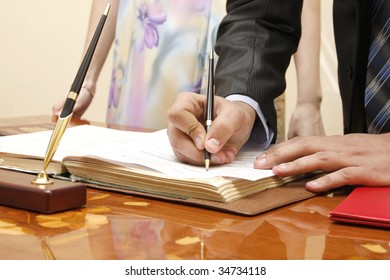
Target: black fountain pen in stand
column 209, row 105
column 67, row 111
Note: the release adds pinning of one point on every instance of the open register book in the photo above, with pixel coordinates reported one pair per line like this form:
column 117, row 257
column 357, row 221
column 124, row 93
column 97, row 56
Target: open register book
column 136, row 161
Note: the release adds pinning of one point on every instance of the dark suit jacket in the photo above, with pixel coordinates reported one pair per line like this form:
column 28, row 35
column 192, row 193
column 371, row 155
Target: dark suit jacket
column 351, row 21
column 258, row 37
column 255, row 43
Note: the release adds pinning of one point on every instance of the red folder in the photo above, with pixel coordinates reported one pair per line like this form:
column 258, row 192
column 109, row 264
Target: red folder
column 365, row 206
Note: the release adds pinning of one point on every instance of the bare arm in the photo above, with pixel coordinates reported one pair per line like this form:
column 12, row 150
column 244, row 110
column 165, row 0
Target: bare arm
column 106, row 38
column 306, row 118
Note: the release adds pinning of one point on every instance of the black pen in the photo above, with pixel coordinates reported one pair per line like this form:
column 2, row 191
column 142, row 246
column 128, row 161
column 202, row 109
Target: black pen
column 67, row 111
column 80, row 76
column 209, row 104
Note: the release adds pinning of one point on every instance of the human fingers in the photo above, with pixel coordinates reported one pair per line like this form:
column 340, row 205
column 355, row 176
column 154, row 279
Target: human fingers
column 183, row 147
column 216, row 141
column 230, row 130
column 185, row 130
column 338, row 178
column 296, row 148
column 322, row 161
column 82, row 103
column 57, row 108
column 368, row 171
column 353, row 163
column 186, row 115
column 306, row 120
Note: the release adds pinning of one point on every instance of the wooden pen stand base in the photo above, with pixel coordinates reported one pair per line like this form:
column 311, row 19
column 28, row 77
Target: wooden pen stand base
column 16, row 190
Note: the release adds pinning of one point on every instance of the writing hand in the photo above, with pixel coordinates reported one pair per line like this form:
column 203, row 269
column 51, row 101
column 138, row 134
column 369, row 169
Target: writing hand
column 233, row 122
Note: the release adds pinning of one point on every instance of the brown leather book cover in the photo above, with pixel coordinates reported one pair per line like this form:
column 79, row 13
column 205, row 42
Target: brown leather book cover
column 248, row 206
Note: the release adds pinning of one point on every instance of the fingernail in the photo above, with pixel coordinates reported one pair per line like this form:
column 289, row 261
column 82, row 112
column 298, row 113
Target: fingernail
column 215, row 159
column 282, row 166
column 231, row 155
column 313, row 184
column 280, row 169
column 214, row 143
column 198, row 143
column 261, row 159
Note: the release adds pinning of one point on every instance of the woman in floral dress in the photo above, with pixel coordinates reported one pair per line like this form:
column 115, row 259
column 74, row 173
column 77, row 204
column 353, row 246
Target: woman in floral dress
column 160, row 50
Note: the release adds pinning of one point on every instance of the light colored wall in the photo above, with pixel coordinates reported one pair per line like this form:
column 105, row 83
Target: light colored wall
column 41, row 45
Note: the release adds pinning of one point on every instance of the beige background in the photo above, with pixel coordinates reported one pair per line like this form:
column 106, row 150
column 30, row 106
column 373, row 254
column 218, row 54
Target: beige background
column 41, row 47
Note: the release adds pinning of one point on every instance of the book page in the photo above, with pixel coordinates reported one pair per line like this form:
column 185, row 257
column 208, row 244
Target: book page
column 154, row 151
column 75, row 139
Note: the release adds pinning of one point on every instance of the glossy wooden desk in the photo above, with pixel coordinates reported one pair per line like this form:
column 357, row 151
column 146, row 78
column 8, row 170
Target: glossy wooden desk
column 117, row 226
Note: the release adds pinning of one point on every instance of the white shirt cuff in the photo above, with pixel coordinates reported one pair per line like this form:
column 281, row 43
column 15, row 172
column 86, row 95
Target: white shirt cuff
column 266, row 139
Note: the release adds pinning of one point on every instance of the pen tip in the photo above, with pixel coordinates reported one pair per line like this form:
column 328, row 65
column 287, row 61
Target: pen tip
column 207, row 164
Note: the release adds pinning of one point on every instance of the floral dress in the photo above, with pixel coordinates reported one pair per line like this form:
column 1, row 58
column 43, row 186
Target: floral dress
column 160, row 50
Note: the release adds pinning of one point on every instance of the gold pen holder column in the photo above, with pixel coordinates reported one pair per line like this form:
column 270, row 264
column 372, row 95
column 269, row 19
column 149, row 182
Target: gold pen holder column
column 59, row 129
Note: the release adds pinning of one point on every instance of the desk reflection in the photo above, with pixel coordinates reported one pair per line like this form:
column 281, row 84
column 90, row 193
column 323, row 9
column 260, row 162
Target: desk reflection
column 115, row 226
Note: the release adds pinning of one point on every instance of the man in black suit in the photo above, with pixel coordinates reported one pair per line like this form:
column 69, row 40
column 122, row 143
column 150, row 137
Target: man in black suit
column 255, row 43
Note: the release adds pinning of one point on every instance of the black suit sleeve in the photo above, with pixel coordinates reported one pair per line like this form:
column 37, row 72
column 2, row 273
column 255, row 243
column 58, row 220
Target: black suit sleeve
column 255, row 43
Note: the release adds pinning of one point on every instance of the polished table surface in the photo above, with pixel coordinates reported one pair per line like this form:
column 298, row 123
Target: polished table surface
column 117, row 226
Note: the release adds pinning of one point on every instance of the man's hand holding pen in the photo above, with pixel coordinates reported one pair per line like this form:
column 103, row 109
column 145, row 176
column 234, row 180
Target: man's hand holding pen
column 197, row 127
column 187, row 133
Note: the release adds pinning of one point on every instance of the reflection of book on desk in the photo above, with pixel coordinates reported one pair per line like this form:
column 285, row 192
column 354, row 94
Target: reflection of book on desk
column 141, row 162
